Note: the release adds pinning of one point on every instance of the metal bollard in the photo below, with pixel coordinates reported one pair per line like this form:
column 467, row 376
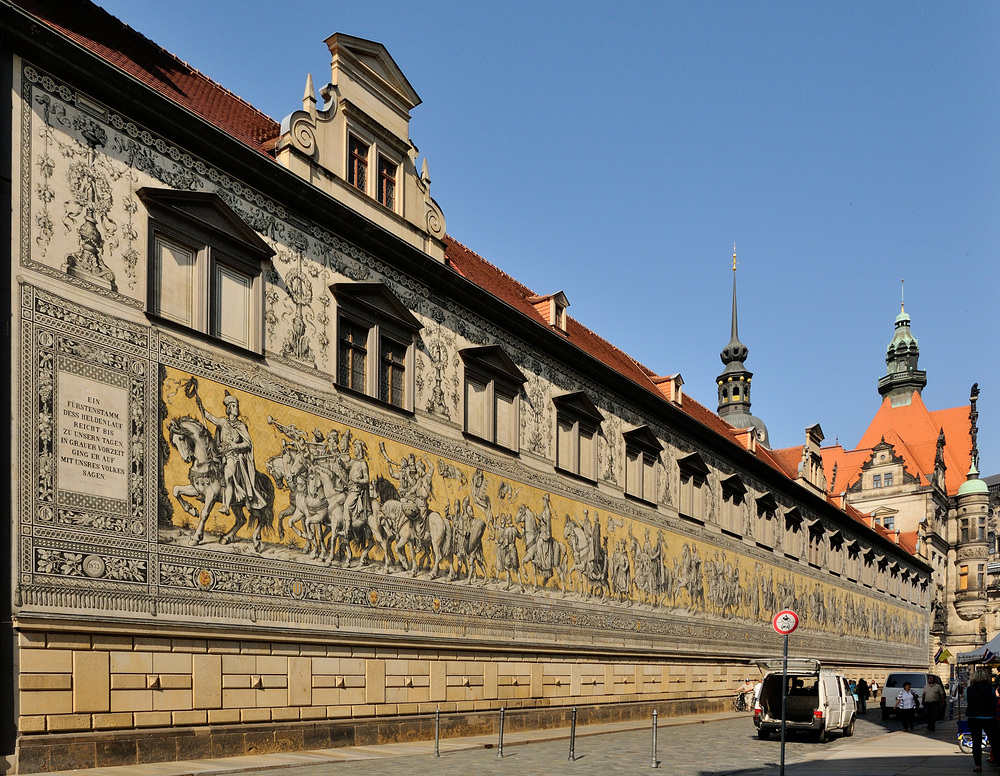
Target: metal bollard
column 654, row 763
column 437, row 731
column 572, row 737
column 500, row 744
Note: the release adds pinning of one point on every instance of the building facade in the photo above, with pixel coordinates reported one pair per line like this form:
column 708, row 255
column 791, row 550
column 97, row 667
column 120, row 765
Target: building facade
column 295, row 468
column 915, row 476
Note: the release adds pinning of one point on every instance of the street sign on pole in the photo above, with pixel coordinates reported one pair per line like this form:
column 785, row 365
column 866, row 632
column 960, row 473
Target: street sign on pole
column 784, row 622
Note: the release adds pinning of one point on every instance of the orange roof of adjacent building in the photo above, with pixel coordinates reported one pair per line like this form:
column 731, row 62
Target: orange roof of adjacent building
column 912, row 430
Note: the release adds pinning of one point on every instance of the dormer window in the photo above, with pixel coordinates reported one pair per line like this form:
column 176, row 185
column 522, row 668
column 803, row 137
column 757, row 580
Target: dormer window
column 357, row 164
column 363, row 152
column 386, row 194
column 552, row 308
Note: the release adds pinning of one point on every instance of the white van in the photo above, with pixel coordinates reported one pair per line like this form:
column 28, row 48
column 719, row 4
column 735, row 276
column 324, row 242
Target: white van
column 894, row 683
column 819, row 699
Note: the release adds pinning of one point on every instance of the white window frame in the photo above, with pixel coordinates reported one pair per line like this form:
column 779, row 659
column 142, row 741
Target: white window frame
column 490, row 368
column 218, row 241
column 371, row 306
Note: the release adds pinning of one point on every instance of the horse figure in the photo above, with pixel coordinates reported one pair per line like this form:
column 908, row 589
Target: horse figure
column 467, row 544
column 545, row 555
column 207, row 484
column 400, row 519
column 308, row 508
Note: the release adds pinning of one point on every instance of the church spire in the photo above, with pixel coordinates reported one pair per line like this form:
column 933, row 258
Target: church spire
column 734, row 382
column 902, row 377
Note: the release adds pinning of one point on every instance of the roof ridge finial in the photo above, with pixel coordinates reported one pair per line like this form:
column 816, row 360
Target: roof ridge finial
column 902, row 298
column 734, row 257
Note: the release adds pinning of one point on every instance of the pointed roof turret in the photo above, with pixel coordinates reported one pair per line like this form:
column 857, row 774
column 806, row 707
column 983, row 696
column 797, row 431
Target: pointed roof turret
column 734, row 382
column 902, row 377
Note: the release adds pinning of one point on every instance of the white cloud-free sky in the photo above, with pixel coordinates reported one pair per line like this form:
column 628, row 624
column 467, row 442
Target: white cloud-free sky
column 617, row 151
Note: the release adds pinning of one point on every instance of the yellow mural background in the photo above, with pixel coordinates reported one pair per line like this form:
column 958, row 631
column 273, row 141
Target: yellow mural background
column 902, row 624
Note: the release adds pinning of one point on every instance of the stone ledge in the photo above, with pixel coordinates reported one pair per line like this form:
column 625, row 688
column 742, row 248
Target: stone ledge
column 40, row 753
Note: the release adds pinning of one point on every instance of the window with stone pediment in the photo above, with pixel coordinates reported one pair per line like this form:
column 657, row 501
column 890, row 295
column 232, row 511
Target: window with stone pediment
column 492, row 396
column 854, row 561
column 578, row 423
column 376, row 338
column 794, row 533
column 642, row 451
column 816, row 538
column 206, row 267
column 694, row 479
column 766, row 522
column 734, row 495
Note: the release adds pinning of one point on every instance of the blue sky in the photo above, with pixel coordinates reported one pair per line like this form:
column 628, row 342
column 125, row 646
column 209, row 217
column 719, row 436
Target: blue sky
column 616, row 153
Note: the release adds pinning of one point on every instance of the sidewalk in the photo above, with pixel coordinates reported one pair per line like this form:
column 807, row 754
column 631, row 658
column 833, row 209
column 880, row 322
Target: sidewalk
column 891, row 754
column 276, row 762
column 888, row 754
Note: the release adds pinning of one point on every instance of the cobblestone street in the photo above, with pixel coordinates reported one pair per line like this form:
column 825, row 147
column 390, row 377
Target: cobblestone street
column 723, row 746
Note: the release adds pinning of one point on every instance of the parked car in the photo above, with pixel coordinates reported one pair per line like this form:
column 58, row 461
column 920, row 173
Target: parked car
column 894, row 683
column 819, row 700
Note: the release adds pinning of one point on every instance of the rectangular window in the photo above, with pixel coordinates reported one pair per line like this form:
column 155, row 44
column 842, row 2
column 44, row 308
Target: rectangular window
column 492, row 386
column 174, row 281
column 876, row 480
column 232, row 306
column 981, row 533
column 506, row 423
column 357, row 164
column 205, row 267
column 576, row 448
column 888, row 479
column 353, row 355
column 963, row 529
column 980, row 577
column 889, row 523
column 476, row 413
column 392, row 371
column 963, row 577
column 387, row 182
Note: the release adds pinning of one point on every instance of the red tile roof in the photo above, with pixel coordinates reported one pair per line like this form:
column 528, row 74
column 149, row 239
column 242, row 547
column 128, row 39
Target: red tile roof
column 113, row 40
column 107, row 37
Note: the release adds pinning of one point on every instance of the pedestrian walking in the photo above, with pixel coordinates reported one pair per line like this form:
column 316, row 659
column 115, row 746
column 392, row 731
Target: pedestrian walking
column 906, row 704
column 981, row 711
column 863, row 694
column 933, row 697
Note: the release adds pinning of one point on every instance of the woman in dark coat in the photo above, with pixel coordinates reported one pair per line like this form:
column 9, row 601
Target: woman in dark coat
column 981, row 710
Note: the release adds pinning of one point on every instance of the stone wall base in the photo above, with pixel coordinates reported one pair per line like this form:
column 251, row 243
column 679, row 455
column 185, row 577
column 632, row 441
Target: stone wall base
column 36, row 754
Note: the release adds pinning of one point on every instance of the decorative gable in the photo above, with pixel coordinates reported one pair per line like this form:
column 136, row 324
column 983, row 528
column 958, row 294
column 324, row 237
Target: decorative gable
column 357, row 147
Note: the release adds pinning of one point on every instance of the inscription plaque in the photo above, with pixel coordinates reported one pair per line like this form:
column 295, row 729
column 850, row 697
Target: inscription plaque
column 93, row 438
